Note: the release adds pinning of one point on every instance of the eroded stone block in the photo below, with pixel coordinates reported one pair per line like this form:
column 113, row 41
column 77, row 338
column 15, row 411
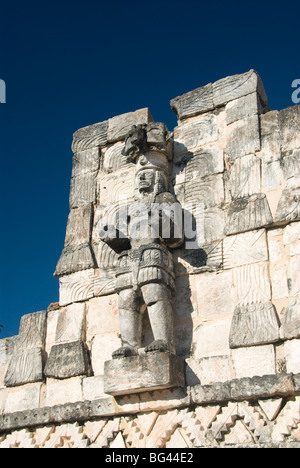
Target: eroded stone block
column 233, row 87
column 290, row 326
column 247, row 213
column 243, row 137
column 194, row 102
column 67, row 360
column 143, row 373
column 254, row 324
column 90, row 137
column 288, row 208
column 120, row 125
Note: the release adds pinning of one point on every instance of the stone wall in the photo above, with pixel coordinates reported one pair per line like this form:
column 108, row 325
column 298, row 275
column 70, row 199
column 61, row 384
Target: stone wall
column 236, row 308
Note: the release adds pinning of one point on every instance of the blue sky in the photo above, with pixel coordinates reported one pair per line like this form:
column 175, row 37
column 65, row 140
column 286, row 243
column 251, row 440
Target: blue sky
column 68, row 64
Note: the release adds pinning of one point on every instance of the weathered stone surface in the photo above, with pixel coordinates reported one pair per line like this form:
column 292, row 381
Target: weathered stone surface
column 254, row 360
column 290, row 326
column 86, row 161
column 233, row 87
column 243, row 107
column 114, row 159
column 194, row 102
column 254, row 324
column 120, row 125
column 243, row 389
column 252, row 284
column 245, row 248
column 83, row 190
column 23, row 399
column 245, row 177
column 70, row 323
column 247, row 213
column 243, row 138
column 90, row 137
column 74, row 259
column 67, row 360
column 196, row 132
column 143, row 373
column 292, row 352
column 76, row 287
column 26, row 363
column 79, row 227
column 289, row 121
column 288, row 208
column 25, row 366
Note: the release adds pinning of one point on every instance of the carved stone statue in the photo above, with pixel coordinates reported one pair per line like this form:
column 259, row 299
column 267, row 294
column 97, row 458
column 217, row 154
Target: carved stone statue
column 145, row 277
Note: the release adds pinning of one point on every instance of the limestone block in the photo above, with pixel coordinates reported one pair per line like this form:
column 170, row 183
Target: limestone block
column 93, row 388
column 90, row 137
column 275, row 244
column 102, row 315
column 67, row 360
column 74, row 259
column 252, row 284
column 210, row 370
column 83, row 189
column 25, row 366
column 292, row 353
column 289, row 121
column 293, row 275
column 243, row 138
column 279, row 282
column 245, row 248
column 196, row 132
column 26, row 363
column 243, row 107
column 102, row 347
column 254, row 361
column 60, row 392
column 194, row 102
column 247, row 213
column 70, row 323
column 212, row 339
column 236, row 86
column 290, row 163
column 116, row 188
column 23, row 398
column 32, row 330
column 208, row 190
column 291, row 238
column 254, row 324
column 204, row 162
column 120, row 125
column 214, row 295
column 270, row 137
column 245, row 177
column 86, row 161
column 290, row 326
column 76, row 287
column 6, row 350
column 213, row 225
column 79, row 226
column 113, row 159
column 288, row 208
column 154, row 371
column 271, row 175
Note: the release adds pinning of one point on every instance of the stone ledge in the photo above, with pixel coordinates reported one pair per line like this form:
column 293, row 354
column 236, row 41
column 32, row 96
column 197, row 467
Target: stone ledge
column 143, row 373
column 268, row 386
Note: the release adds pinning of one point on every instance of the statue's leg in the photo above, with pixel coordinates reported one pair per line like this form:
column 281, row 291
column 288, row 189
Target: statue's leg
column 130, row 319
column 158, row 299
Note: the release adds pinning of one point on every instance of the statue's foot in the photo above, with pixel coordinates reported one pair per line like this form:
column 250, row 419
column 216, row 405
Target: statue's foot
column 124, row 351
column 158, row 346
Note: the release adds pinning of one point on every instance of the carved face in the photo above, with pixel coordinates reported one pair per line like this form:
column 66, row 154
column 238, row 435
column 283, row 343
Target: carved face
column 145, row 181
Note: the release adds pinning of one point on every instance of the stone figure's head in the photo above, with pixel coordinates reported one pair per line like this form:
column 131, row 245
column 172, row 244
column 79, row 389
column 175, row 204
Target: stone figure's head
column 152, row 174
